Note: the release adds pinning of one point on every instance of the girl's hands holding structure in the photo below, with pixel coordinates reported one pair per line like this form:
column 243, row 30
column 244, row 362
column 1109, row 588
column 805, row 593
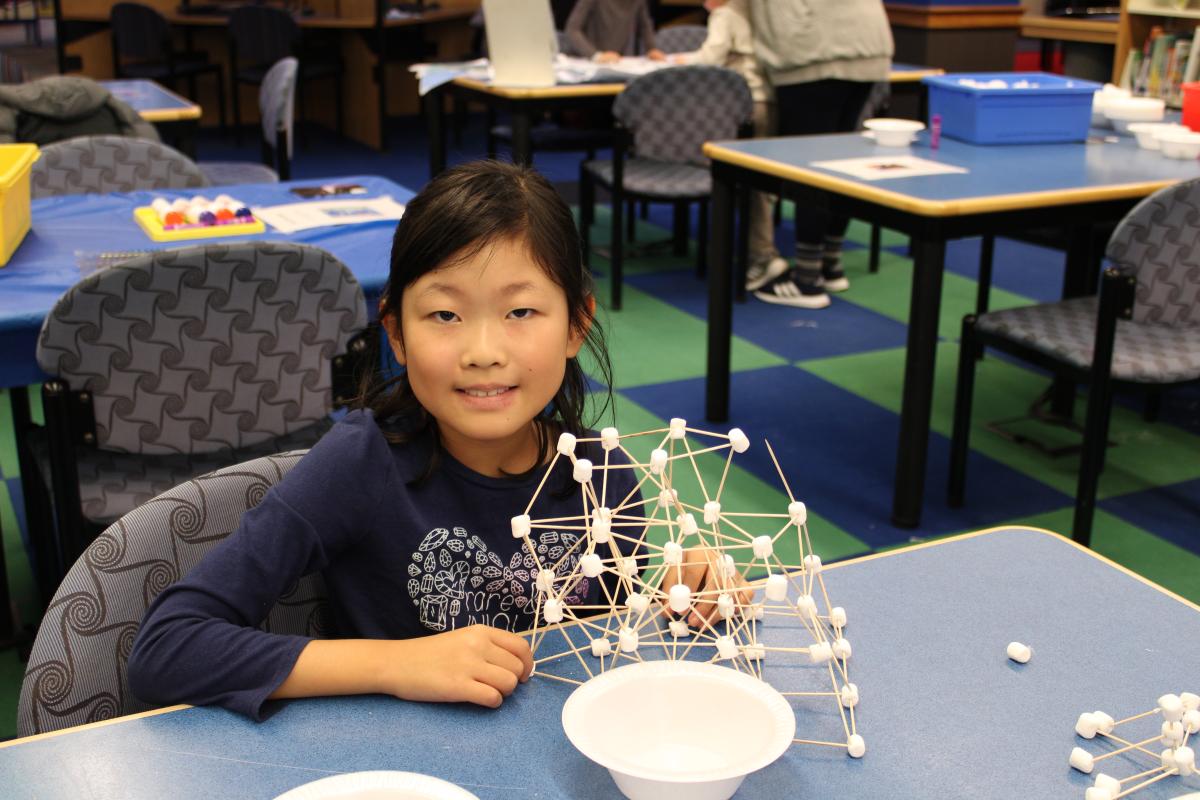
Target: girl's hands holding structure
column 700, row 571
column 478, row 664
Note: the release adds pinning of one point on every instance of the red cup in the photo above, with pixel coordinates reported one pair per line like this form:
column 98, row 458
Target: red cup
column 1191, row 105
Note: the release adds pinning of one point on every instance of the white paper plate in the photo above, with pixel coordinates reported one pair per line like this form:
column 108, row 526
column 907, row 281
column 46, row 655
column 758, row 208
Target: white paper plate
column 378, row 785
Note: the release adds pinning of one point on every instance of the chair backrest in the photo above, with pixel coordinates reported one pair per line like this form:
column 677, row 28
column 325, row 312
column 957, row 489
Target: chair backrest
column 1159, row 239
column 205, row 349
column 94, row 164
column 139, row 31
column 263, row 34
column 672, row 112
column 77, row 669
column 277, row 102
column 680, row 38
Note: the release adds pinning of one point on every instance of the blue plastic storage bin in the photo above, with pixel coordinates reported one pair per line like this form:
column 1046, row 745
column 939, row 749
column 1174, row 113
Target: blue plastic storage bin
column 1054, row 109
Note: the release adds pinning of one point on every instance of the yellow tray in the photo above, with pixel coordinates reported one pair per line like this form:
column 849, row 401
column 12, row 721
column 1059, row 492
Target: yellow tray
column 147, row 217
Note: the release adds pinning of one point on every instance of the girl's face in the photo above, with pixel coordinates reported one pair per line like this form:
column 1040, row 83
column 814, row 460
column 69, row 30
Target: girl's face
column 486, row 343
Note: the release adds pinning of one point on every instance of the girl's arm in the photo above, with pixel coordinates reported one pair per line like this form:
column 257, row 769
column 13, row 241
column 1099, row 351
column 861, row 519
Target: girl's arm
column 580, row 43
column 646, row 30
column 717, row 45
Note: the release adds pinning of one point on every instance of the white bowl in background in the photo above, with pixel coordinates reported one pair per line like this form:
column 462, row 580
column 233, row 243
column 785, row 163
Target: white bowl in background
column 1123, row 110
column 676, row 730
column 1179, row 142
column 1147, row 133
column 1099, row 119
column 891, row 132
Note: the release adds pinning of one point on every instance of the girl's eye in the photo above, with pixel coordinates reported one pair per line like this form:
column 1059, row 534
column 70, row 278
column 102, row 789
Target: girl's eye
column 444, row 316
column 521, row 313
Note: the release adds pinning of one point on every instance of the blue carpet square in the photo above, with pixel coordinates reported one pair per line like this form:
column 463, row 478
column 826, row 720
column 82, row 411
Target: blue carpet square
column 1170, row 512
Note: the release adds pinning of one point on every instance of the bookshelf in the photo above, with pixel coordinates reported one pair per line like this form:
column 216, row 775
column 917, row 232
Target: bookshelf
column 1138, row 21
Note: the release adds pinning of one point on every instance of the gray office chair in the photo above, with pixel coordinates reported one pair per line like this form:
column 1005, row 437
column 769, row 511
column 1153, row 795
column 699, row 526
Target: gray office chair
column 96, row 164
column 276, row 109
column 1142, row 331
column 77, row 669
column 179, row 362
column 667, row 116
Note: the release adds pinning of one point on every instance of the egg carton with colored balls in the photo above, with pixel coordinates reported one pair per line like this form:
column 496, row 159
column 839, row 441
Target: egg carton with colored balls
column 173, row 220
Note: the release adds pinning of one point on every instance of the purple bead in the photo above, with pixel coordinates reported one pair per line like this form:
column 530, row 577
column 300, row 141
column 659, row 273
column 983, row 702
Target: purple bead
column 208, row 218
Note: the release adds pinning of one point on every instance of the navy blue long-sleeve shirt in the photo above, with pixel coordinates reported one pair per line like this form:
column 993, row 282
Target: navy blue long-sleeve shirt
column 399, row 559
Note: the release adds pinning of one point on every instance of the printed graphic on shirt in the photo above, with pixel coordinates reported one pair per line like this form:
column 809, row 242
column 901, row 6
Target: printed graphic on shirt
column 456, row 580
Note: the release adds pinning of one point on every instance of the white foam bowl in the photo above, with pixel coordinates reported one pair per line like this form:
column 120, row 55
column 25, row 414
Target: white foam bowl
column 1147, row 133
column 1123, row 110
column 1099, row 119
column 678, row 730
column 894, row 132
column 1179, row 142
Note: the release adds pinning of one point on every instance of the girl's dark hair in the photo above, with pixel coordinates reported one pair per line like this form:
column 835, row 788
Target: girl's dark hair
column 456, row 215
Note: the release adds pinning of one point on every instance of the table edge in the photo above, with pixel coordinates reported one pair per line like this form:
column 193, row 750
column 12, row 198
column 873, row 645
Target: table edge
column 931, row 208
column 543, row 92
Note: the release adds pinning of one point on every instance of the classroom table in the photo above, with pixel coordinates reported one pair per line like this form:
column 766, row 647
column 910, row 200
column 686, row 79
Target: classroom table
column 1076, row 186
column 175, row 117
column 944, row 713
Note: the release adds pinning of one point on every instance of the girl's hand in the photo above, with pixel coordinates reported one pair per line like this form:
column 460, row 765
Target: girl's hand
column 656, row 55
column 479, row 664
column 607, row 57
column 701, row 573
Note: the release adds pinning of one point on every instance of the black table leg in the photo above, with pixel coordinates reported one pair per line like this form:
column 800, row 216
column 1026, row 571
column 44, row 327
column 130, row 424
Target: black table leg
column 929, row 256
column 720, row 300
column 522, row 144
column 435, row 116
column 876, row 244
column 1079, row 279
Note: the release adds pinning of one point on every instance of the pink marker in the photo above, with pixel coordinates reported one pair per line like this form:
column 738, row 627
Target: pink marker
column 935, row 131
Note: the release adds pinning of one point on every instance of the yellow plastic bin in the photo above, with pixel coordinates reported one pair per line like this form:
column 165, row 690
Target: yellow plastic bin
column 15, row 163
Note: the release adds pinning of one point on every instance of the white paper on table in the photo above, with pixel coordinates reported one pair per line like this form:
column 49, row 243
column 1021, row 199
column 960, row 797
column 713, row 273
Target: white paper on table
column 292, row 217
column 567, row 70
column 877, row 168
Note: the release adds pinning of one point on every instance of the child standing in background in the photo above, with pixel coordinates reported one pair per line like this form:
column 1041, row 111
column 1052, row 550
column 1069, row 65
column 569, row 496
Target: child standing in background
column 605, row 30
column 730, row 43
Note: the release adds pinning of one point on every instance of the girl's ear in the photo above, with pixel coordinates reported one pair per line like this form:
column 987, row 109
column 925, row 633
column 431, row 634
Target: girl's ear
column 391, row 326
column 578, row 334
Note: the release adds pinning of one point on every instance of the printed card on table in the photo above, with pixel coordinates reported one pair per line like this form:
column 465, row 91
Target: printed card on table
column 877, row 168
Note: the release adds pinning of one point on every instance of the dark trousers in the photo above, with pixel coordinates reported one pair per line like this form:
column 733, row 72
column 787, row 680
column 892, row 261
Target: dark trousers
column 828, row 106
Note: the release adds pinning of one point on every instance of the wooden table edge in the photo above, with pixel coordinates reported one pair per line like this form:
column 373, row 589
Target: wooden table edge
column 544, row 92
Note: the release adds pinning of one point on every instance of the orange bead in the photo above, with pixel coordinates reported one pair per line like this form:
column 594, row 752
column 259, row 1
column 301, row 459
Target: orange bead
column 224, row 215
column 174, row 218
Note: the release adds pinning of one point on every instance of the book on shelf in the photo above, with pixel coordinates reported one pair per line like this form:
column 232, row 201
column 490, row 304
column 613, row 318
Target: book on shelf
column 1163, row 63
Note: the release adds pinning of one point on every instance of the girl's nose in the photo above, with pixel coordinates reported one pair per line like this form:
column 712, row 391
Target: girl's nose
column 484, row 347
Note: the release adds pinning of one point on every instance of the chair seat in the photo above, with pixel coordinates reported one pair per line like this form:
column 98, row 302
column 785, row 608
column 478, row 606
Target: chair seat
column 227, row 173
column 112, row 484
column 557, row 137
column 1142, row 353
column 657, row 178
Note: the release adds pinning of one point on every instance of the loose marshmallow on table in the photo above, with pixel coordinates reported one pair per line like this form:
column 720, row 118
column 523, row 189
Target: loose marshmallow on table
column 1020, row 653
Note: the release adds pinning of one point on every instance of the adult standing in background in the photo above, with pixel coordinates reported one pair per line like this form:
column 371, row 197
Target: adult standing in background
column 822, row 57
column 605, row 30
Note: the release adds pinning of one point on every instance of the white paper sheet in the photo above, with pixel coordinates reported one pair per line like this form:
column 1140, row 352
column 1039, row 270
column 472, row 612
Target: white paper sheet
column 292, row 217
column 877, row 168
column 567, row 70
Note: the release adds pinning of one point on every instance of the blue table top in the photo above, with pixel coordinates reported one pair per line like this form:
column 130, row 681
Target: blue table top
column 145, row 95
column 943, row 712
column 75, row 229
column 998, row 177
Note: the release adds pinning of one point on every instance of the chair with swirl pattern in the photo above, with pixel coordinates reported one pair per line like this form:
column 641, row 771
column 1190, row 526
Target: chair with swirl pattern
column 97, row 164
column 77, row 669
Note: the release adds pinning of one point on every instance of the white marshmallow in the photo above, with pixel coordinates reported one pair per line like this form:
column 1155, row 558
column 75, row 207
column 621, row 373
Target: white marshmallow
column 678, row 428
column 545, row 581
column 1185, row 760
column 1191, row 721
column 610, row 438
column 179, row 204
column 679, row 628
column 628, row 567
column 725, row 605
column 728, row 566
column 1171, row 707
column 758, row 611
column 680, row 598
column 777, row 588
column 602, row 525
column 837, row 617
column 521, row 525
column 672, row 554
column 628, row 639
column 806, row 605
column 820, row 652
column 552, row 610
column 754, row 652
column 1167, row 759
column 1190, row 700
column 855, row 746
column 1021, row 653
column 738, row 440
column 1107, row 782
column 798, row 513
column 161, row 206
column 658, row 461
column 1098, row 793
column 812, row 563
column 601, row 647
column 566, row 444
column 1172, row 734
column 687, row 524
column 842, row 649
column 849, row 695
column 763, row 547
column 637, row 603
column 583, row 470
column 1104, row 721
column 712, row 512
column 726, row 648
column 1082, row 760
column 591, row 565
column 1087, row 725
column 667, row 498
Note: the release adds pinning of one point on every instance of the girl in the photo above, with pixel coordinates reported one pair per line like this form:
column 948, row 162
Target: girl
column 605, row 30
column 405, row 506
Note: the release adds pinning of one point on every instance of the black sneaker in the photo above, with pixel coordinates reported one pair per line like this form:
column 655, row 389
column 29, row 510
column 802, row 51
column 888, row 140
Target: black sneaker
column 787, row 292
column 833, row 277
column 760, row 273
